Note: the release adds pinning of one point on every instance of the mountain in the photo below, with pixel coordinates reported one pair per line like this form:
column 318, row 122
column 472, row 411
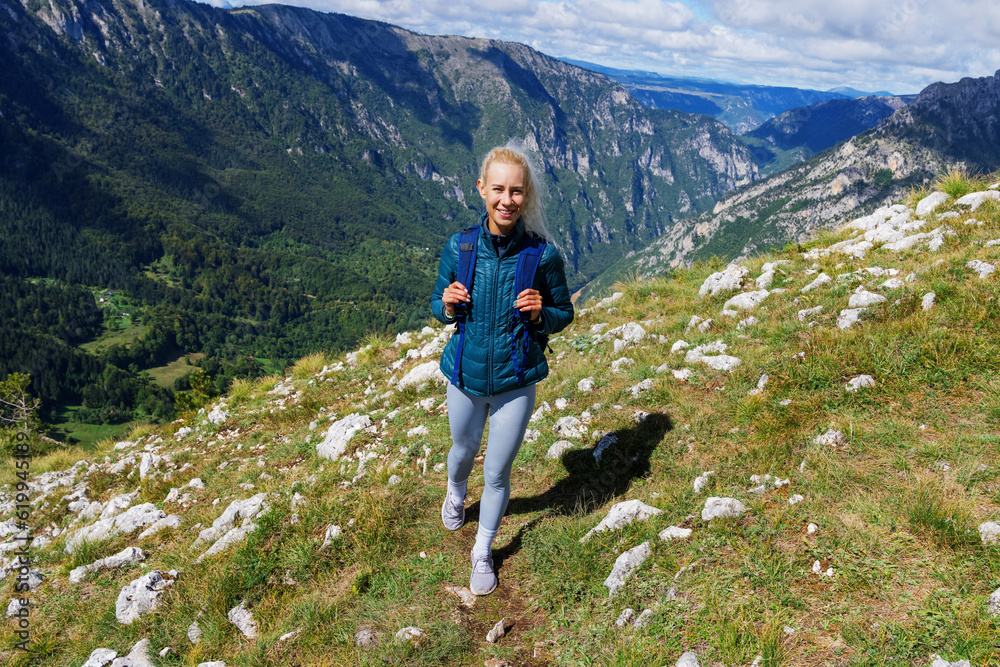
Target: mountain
column 854, row 92
column 741, row 107
column 253, row 184
column 798, row 134
column 949, row 124
column 831, row 499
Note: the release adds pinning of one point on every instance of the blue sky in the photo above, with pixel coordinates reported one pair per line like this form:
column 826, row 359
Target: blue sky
column 900, row 46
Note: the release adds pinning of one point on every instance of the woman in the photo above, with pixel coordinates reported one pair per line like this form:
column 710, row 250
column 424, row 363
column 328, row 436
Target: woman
column 493, row 373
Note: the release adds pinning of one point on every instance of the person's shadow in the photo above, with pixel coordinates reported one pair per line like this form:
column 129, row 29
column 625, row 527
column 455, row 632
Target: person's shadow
column 590, row 483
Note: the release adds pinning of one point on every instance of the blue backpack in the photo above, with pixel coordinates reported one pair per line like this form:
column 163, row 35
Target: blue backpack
column 528, row 258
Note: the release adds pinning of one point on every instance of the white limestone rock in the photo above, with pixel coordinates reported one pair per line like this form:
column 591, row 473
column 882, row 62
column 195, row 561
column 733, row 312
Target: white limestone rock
column 626, row 617
column 172, row 521
column 747, row 322
column 497, row 632
column 645, row 385
column 718, row 508
column 558, row 448
column 417, row 431
column 728, row 280
column 747, row 300
column 618, row 364
column 194, row 633
column 993, row 607
column 892, row 283
column 625, row 565
column 938, row 661
column 832, row 438
column 148, row 463
column 679, row 346
column 862, row 298
column 983, row 269
column 625, row 335
column 569, row 427
column 806, row 313
column 927, row 302
column 540, row 411
column 424, row 374
column 100, row 657
column 332, row 533
column 411, row 635
column 820, row 280
column 127, row 556
column 718, row 361
column 974, row 199
column 860, row 382
column 130, row 520
column 761, row 383
column 683, row 374
column 927, row 205
column 137, row 657
column 701, row 480
column 218, row 415
column 339, row 434
column 241, row 617
column 688, row 659
column 644, row 618
column 849, row 317
column 622, row 514
column 117, row 505
column 989, row 532
column 674, row 533
column 142, row 595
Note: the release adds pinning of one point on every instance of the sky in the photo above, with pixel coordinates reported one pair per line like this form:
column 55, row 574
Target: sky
column 896, row 45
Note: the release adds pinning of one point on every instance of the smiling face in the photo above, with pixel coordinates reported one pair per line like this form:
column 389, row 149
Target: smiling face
column 503, row 190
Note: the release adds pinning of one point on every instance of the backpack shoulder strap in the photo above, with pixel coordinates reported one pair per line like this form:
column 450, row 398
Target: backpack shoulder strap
column 527, row 262
column 467, row 245
column 524, row 277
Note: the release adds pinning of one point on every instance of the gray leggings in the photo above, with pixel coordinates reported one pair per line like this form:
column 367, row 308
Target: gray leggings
column 508, row 413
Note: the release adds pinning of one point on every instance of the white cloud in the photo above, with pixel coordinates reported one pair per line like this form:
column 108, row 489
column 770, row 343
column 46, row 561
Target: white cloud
column 901, row 45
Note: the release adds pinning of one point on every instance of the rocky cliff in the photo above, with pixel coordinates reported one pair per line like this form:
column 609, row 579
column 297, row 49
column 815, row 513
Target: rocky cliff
column 947, row 124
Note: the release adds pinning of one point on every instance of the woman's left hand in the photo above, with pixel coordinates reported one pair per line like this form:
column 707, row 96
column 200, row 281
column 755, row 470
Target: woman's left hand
column 530, row 301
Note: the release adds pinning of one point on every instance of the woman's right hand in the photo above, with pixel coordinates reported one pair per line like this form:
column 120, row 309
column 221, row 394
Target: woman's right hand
column 453, row 295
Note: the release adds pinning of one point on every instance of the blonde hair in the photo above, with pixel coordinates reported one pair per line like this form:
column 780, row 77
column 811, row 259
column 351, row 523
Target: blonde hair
column 533, row 210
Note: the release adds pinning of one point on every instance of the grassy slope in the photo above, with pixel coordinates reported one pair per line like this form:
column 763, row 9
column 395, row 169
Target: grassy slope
column 911, row 577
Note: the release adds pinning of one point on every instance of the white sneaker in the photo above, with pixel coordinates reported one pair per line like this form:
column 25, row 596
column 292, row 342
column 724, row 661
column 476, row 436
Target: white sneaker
column 484, row 578
column 452, row 512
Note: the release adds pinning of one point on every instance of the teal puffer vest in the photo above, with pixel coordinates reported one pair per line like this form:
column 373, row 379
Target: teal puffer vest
column 487, row 367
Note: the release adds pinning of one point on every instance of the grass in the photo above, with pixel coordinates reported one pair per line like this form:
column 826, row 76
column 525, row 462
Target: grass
column 895, row 506
column 168, row 373
column 85, row 435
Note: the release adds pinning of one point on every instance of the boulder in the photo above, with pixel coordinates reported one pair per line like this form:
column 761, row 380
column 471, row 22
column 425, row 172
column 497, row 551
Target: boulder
column 558, row 448
column 142, row 595
column 128, row 521
column 100, row 657
column 625, row 565
column 241, row 617
column 137, row 657
column 426, row 373
column 339, row 435
column 621, row 515
column 728, row 280
column 719, row 508
column 927, row 205
column 849, row 317
column 127, row 556
column 747, row 300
